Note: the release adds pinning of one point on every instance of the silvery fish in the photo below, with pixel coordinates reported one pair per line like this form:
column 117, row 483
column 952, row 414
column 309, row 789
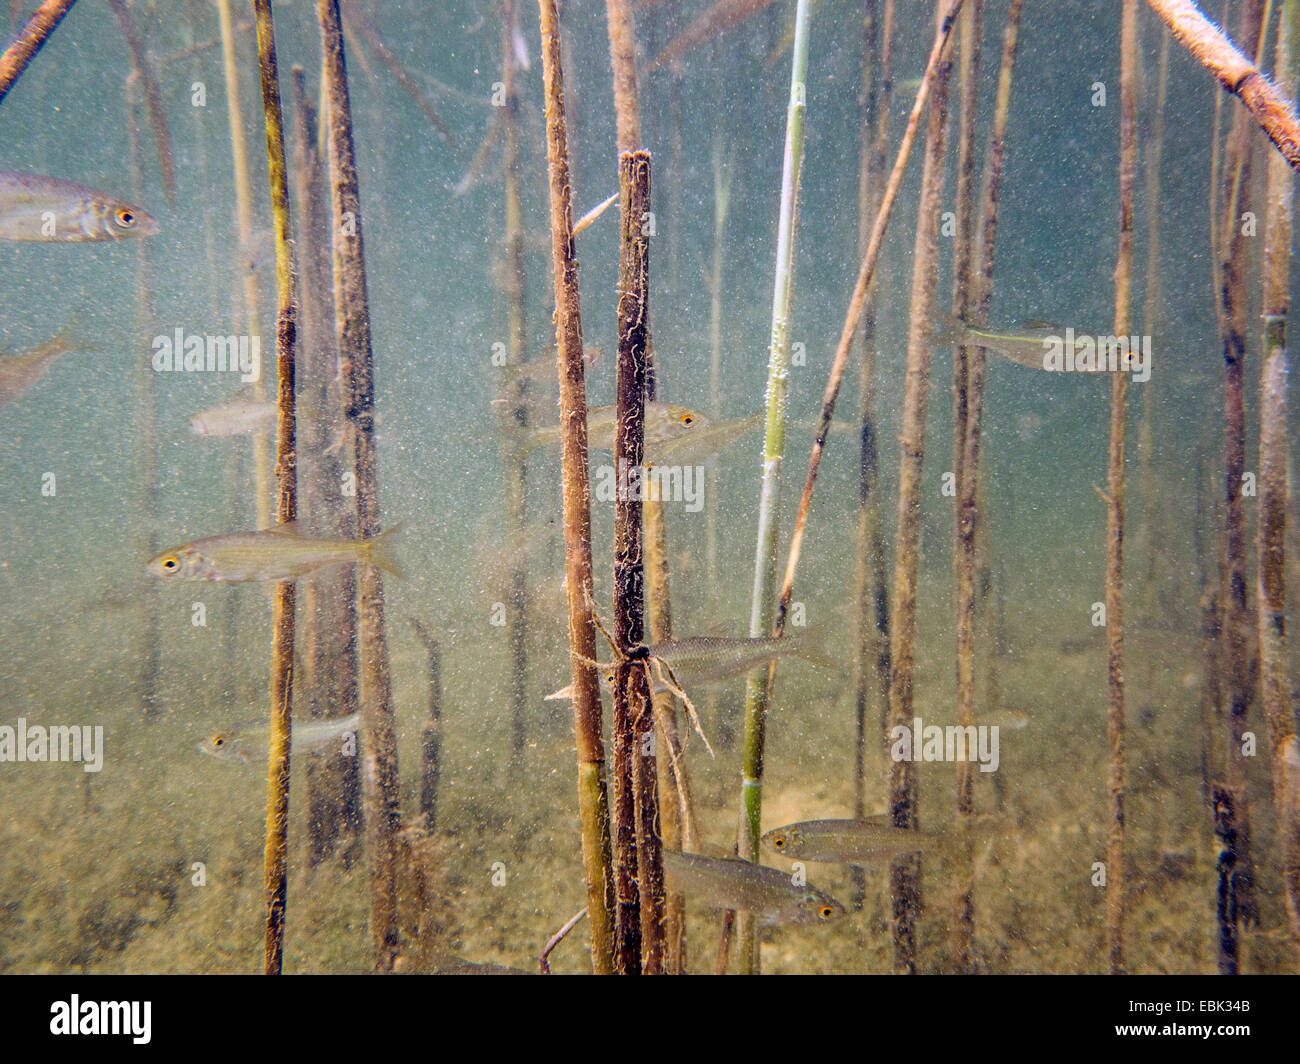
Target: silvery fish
column 52, row 210
column 244, row 745
column 705, row 659
column 702, row 660
column 278, row 553
column 730, row 883
column 19, row 372
column 238, row 417
column 855, row 842
column 704, row 442
column 663, row 422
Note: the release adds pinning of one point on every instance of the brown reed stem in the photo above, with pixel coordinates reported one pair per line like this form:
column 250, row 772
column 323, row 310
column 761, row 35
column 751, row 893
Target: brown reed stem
column 275, row 865
column 328, row 625
column 593, row 799
column 31, row 40
column 1115, row 872
column 1275, row 681
column 634, row 754
column 967, row 404
column 352, row 326
column 905, row 873
column 1235, row 72
column 152, row 94
column 1232, row 304
column 430, row 732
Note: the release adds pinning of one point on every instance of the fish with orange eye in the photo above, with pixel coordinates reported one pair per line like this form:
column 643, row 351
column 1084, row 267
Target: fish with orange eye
column 52, row 210
column 664, row 422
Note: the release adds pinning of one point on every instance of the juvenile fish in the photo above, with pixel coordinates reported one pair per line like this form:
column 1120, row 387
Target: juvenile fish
column 238, row 417
column 704, row 442
column 52, row 210
column 730, row 883
column 19, row 372
column 279, row 553
column 663, row 422
column 855, row 842
column 243, row 746
column 706, row 659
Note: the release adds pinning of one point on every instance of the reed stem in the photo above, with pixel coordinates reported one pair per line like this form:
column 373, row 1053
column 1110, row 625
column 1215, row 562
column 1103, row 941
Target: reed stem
column 769, row 505
column 640, row 948
column 152, row 94
column 45, row 19
column 275, row 864
column 593, row 800
column 1235, row 72
column 352, row 327
column 1128, row 161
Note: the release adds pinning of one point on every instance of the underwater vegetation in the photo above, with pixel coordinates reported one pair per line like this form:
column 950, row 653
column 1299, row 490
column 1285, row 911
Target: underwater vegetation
column 336, row 475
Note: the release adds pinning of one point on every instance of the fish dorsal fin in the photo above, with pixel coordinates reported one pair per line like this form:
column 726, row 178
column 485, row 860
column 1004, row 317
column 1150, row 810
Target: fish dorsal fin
column 296, row 527
column 1039, row 323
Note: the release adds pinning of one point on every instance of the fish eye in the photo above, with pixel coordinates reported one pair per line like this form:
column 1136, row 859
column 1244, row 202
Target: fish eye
column 218, row 740
column 688, row 419
column 171, row 564
column 124, row 217
column 826, row 912
column 778, row 842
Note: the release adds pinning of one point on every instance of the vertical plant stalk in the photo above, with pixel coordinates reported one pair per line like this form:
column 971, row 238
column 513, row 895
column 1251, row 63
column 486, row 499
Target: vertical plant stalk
column 1153, row 325
column 146, row 432
column 872, row 595
column 967, row 408
column 769, row 504
column 513, row 413
column 721, row 205
column 328, row 628
column 1235, row 72
column 152, row 94
column 905, row 873
column 275, row 863
column 244, row 222
column 1232, row 305
column 352, row 326
column 593, row 801
column 972, row 522
column 430, row 732
column 622, row 55
column 640, row 949
column 45, row 19
column 1225, row 829
column 1128, row 162
column 1275, row 681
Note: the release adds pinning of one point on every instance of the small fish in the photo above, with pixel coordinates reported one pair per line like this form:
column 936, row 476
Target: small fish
column 663, row 422
column 1025, row 347
column 248, row 745
column 730, row 883
column 704, row 659
column 279, row 553
column 722, row 16
column 704, row 442
column 52, row 210
column 19, row 372
column 238, row 417
column 855, row 842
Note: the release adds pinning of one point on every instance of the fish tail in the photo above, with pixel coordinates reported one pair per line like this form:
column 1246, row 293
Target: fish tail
column 809, row 647
column 949, row 330
column 381, row 550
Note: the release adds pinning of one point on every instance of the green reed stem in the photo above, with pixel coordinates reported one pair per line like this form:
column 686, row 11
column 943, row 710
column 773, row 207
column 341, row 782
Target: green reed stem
column 778, row 376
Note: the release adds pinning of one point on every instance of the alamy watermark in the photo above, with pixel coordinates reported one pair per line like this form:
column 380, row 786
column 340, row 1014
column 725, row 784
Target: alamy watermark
column 183, row 352
column 1099, row 354
column 58, row 742
column 931, row 742
column 669, row 483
